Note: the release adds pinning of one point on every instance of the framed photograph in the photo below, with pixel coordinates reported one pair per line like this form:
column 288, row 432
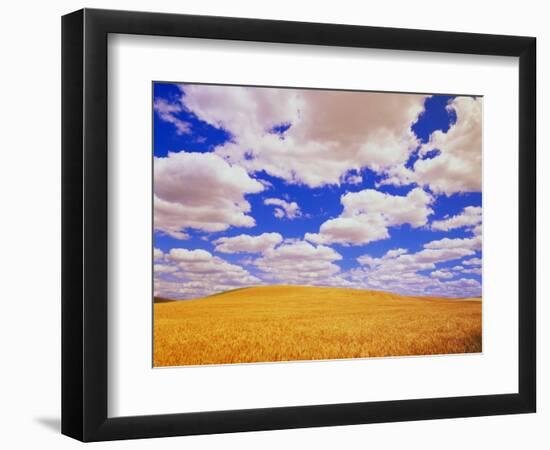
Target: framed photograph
column 273, row 225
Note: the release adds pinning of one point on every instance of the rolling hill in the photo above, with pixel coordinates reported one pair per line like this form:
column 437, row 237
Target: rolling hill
column 289, row 323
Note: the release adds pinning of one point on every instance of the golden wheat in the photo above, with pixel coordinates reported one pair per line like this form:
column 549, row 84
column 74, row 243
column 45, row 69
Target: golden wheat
column 288, row 323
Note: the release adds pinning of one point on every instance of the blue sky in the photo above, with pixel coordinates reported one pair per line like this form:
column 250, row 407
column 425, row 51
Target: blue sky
column 284, row 186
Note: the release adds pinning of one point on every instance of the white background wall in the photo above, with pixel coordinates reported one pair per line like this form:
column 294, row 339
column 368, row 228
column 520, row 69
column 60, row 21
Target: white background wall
column 30, row 221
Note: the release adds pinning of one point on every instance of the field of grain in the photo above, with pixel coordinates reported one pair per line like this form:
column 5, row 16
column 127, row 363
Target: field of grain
column 288, row 323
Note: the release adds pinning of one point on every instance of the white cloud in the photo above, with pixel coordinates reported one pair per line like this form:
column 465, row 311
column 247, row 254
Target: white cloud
column 201, row 265
column 357, row 230
column 425, row 259
column 410, row 282
column 166, row 112
column 461, row 288
column 158, row 254
column 300, row 262
column 442, row 274
column 368, row 214
column 429, row 255
column 457, row 166
column 184, row 255
column 200, row 191
column 472, row 262
column 164, row 268
column 370, row 261
column 399, row 271
column 462, row 269
column 396, row 210
column 290, row 210
column 197, row 273
column 472, row 243
column 390, row 254
column 331, row 132
column 248, row 244
column 469, row 217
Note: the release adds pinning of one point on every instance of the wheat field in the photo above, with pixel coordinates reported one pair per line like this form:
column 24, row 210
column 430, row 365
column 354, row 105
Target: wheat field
column 289, row 323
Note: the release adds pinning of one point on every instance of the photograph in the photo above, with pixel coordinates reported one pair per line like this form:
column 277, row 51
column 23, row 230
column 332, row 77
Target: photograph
column 267, row 225
column 294, row 224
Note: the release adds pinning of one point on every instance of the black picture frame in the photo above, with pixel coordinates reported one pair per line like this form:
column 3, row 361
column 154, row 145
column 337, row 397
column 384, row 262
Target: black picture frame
column 84, row 224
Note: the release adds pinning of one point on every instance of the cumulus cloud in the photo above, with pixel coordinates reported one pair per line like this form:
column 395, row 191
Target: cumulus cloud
column 357, row 230
column 477, row 230
column 460, row 288
column 299, row 262
column 158, row 254
column 164, row 268
column 167, row 112
column 403, row 272
column 200, row 191
column 390, row 254
column 471, row 243
column 290, row 210
column 457, row 165
column 370, row 261
column 189, row 256
column 443, row 274
column 472, row 262
column 245, row 243
column 327, row 133
column 429, row 255
column 457, row 168
column 196, row 273
column 368, row 214
column 469, row 217
column 462, row 269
